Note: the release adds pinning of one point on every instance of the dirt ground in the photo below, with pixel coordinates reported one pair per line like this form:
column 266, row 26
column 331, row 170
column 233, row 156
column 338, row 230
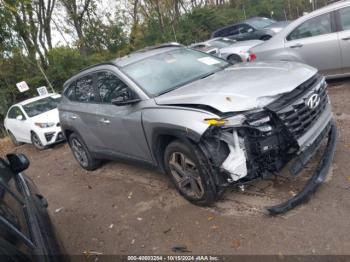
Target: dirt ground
column 124, row 208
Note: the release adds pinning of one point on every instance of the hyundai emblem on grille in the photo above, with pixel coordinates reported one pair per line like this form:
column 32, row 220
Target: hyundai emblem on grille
column 313, row 101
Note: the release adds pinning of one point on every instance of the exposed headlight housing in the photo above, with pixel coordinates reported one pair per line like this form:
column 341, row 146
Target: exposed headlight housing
column 45, row 125
column 232, row 121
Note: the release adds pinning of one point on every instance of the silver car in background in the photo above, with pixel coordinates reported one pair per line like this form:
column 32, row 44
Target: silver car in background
column 320, row 39
column 228, row 49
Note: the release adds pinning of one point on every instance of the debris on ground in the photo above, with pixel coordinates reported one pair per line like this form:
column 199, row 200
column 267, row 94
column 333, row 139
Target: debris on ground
column 167, row 230
column 236, row 244
column 130, row 195
column 58, row 210
column 180, row 249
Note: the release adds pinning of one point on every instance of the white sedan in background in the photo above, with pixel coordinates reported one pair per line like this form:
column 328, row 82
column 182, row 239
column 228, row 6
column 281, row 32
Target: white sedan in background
column 35, row 121
column 228, row 49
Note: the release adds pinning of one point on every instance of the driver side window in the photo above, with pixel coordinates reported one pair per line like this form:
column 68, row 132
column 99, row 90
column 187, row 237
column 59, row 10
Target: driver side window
column 110, row 88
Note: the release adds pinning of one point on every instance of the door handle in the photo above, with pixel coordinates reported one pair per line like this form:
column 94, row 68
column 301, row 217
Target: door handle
column 346, row 38
column 105, row 121
column 296, row 46
column 73, row 117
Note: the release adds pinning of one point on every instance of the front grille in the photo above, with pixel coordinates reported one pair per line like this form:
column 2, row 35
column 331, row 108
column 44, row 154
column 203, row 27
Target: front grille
column 293, row 111
column 49, row 136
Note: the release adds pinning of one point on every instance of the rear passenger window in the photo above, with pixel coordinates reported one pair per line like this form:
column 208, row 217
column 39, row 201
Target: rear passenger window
column 84, row 90
column 315, row 26
column 345, row 18
column 81, row 90
column 70, row 92
column 12, row 113
column 110, row 86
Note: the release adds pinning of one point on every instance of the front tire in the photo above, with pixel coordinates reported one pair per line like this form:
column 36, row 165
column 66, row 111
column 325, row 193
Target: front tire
column 37, row 142
column 189, row 176
column 82, row 153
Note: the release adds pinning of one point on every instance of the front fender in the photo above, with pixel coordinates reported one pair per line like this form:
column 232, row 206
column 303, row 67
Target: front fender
column 182, row 123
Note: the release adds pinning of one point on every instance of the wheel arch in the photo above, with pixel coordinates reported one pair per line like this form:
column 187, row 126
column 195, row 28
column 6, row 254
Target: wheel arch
column 163, row 136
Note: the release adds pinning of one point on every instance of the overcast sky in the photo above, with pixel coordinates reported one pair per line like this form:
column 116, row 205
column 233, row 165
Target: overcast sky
column 62, row 37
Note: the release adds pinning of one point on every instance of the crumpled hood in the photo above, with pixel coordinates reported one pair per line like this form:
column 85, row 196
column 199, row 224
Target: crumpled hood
column 51, row 116
column 241, row 87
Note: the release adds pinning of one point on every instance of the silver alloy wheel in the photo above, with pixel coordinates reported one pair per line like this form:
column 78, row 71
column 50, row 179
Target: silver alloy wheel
column 79, row 152
column 186, row 175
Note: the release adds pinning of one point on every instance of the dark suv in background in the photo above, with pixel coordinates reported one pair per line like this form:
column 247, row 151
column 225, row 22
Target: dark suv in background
column 260, row 28
column 26, row 233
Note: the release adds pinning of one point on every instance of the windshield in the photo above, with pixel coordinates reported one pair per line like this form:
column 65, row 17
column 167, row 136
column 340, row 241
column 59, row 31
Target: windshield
column 41, row 106
column 164, row 72
column 262, row 23
column 222, row 43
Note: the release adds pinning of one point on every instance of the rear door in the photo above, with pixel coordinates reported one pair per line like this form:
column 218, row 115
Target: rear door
column 315, row 42
column 79, row 111
column 343, row 16
column 120, row 127
column 19, row 128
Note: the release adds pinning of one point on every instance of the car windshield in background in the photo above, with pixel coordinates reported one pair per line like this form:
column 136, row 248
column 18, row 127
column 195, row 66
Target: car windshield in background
column 41, row 106
column 222, row 43
column 164, row 72
column 261, row 23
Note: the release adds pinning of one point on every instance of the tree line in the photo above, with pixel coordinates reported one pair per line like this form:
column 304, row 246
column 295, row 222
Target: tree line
column 89, row 34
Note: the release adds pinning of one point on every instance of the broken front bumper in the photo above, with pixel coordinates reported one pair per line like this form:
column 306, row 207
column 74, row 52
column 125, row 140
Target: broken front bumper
column 318, row 177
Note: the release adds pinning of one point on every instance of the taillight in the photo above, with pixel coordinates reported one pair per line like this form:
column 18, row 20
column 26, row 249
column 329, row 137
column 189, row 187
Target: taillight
column 252, row 57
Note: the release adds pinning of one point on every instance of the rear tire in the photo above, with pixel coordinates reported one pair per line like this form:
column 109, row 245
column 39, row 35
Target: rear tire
column 234, row 59
column 13, row 139
column 82, row 153
column 37, row 142
column 265, row 37
column 188, row 175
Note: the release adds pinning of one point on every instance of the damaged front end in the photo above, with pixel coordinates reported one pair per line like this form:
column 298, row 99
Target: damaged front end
column 252, row 145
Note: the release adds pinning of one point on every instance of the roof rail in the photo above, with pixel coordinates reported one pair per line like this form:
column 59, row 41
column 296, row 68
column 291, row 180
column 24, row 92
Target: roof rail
column 164, row 45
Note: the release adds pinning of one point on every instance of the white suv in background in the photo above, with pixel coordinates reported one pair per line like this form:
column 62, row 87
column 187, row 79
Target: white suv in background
column 35, row 121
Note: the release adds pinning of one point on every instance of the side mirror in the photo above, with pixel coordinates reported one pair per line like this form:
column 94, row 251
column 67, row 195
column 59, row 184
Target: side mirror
column 18, row 162
column 19, row 117
column 250, row 30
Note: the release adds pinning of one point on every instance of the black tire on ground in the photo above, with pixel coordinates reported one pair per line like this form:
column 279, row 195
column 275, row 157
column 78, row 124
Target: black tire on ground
column 234, row 59
column 188, row 174
column 36, row 141
column 82, row 153
column 13, row 139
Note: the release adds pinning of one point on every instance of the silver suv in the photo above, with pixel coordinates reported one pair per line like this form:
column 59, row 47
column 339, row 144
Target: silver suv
column 206, row 123
column 320, row 39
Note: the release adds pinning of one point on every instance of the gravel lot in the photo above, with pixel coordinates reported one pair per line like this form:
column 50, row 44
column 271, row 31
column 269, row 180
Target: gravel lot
column 124, row 208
